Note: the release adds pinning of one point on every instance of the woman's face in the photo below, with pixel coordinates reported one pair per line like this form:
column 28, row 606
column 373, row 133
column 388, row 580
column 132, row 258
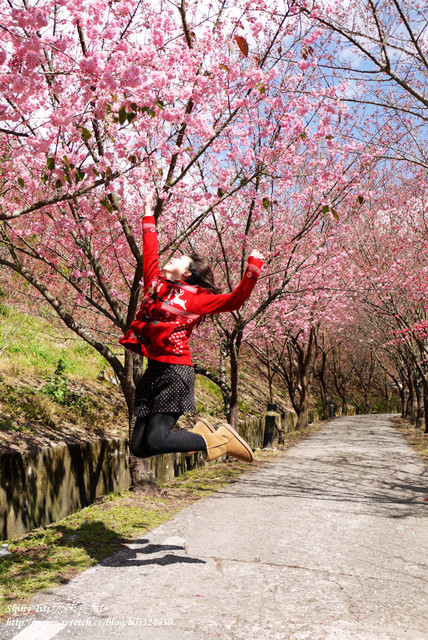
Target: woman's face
column 177, row 268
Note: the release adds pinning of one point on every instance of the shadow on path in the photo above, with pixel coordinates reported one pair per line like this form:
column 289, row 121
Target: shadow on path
column 131, row 557
column 346, row 463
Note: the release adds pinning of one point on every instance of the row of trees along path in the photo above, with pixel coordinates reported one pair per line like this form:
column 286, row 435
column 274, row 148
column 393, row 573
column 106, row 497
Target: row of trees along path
column 291, row 128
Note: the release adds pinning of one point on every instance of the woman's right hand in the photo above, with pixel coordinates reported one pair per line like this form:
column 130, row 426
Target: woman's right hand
column 257, row 254
column 148, row 203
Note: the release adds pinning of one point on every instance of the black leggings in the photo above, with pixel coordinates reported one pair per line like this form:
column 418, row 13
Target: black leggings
column 153, row 435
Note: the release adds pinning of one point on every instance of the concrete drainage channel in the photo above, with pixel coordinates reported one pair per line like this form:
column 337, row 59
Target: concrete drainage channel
column 45, row 485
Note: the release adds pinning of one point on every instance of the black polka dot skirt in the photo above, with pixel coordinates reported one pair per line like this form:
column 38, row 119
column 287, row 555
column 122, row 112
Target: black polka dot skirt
column 165, row 388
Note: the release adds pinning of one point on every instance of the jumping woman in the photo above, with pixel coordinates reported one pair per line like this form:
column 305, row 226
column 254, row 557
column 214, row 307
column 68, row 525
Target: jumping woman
column 175, row 299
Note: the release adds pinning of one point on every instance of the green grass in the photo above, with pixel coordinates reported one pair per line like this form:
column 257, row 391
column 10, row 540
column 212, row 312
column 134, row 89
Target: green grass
column 48, row 378
column 57, row 404
column 26, row 402
column 40, row 343
column 209, row 386
column 48, row 556
column 33, row 355
column 209, row 399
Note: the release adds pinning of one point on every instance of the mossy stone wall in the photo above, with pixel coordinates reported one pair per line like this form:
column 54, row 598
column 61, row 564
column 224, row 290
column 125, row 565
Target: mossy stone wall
column 45, row 485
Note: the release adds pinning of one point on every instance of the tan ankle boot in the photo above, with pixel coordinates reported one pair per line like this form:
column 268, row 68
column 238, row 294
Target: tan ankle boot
column 203, row 427
column 226, row 441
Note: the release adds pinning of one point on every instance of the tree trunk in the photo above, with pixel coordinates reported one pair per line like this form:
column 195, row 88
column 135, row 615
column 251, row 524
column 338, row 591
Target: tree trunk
column 232, row 416
column 219, row 381
column 270, row 387
column 420, row 412
column 224, row 388
column 323, row 387
column 403, row 396
column 233, row 348
column 387, row 394
column 269, row 374
column 127, row 384
column 409, row 413
column 367, row 407
column 425, row 394
column 325, row 404
column 302, row 420
column 142, row 477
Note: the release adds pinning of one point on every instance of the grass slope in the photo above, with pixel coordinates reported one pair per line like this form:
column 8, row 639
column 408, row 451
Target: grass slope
column 51, row 391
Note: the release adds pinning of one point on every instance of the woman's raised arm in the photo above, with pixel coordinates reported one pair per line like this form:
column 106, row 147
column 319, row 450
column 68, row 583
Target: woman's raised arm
column 151, row 268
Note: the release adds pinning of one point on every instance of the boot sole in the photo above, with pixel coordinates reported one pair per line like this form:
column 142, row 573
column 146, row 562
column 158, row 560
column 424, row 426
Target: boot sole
column 242, row 441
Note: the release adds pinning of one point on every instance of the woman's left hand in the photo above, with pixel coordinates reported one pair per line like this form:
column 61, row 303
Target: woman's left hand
column 148, row 203
column 257, row 254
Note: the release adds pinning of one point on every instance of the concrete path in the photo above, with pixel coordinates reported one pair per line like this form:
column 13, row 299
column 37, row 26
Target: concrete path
column 329, row 542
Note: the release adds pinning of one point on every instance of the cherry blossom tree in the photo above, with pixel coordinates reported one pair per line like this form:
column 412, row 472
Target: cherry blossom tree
column 396, row 359
column 228, row 111
column 377, row 57
column 100, row 102
column 312, row 306
column 368, row 300
column 323, row 379
column 388, row 251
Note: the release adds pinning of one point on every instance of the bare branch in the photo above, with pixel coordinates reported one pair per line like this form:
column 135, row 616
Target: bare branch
column 59, row 198
column 14, row 133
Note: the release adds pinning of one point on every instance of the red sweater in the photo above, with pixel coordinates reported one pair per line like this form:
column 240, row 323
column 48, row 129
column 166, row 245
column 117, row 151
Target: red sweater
column 170, row 309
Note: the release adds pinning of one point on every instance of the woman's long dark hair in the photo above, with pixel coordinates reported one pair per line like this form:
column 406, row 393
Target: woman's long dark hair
column 202, row 273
